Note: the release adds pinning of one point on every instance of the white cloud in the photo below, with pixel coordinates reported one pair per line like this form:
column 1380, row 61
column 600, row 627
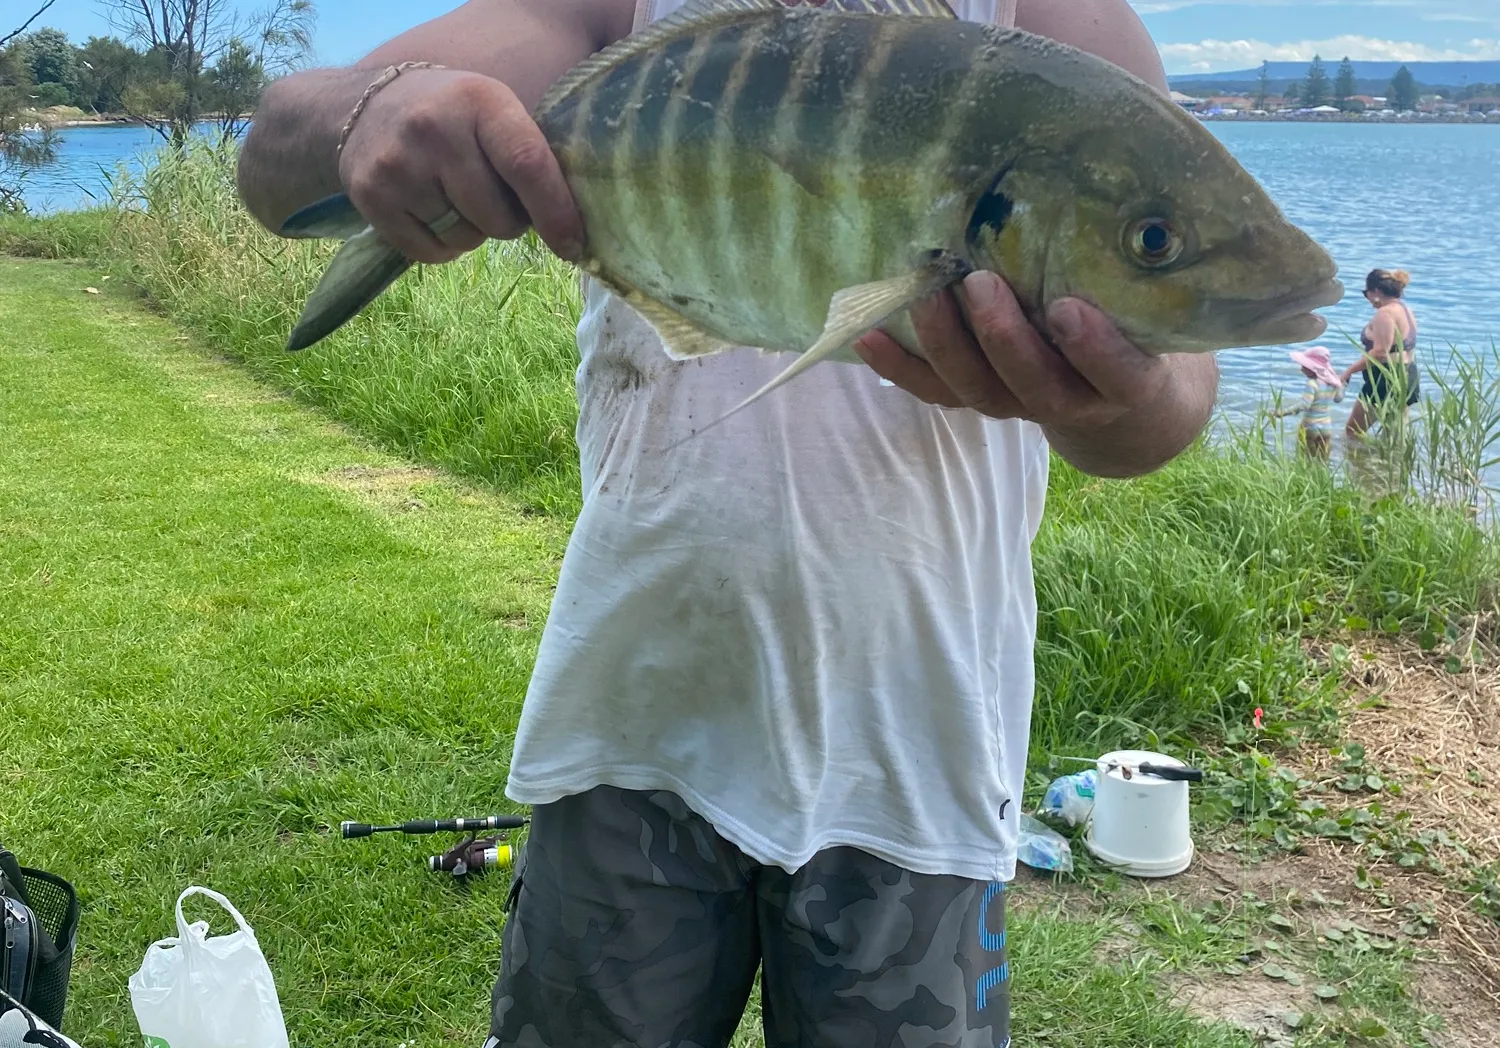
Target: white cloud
column 1208, row 56
column 1476, row 12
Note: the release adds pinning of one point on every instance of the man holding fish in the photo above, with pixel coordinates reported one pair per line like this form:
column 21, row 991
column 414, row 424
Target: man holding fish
column 778, row 720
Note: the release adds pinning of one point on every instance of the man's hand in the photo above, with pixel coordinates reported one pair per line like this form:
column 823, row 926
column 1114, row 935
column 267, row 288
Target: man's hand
column 432, row 140
column 1107, row 407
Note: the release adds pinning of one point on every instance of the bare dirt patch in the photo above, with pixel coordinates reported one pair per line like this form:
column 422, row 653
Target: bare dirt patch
column 1437, row 734
column 393, row 488
column 1436, row 731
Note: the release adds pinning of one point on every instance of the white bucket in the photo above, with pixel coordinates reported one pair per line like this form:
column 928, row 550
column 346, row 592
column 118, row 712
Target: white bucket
column 1139, row 825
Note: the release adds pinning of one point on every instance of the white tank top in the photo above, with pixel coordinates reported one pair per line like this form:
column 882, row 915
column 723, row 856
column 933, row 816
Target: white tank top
column 814, row 622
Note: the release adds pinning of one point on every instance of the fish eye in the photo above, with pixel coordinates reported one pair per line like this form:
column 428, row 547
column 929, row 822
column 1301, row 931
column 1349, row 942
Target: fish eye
column 1154, row 242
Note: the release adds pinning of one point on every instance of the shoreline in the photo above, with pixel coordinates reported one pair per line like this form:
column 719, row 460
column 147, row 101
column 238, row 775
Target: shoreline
column 1351, row 118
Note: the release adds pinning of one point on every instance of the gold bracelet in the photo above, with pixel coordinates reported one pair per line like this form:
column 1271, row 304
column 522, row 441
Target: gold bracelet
column 385, row 78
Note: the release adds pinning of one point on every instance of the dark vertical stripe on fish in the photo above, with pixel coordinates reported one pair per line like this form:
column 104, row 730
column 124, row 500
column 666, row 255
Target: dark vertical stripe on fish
column 698, row 121
column 800, row 209
column 910, row 100
column 625, row 166
column 854, row 245
column 730, row 170
column 676, row 161
column 945, row 164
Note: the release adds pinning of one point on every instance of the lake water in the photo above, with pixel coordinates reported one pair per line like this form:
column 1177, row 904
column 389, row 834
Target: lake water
column 1424, row 198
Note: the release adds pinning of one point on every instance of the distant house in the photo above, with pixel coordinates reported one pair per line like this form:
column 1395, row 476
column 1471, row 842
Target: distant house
column 1186, row 101
column 1237, row 103
column 1484, row 104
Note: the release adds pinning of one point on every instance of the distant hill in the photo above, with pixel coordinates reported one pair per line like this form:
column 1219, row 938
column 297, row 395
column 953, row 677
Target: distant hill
column 1428, row 74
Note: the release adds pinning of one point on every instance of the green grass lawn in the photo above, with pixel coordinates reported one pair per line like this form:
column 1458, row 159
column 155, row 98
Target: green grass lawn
column 226, row 625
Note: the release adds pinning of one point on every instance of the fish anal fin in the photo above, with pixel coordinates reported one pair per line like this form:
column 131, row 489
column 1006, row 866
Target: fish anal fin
column 682, row 339
column 856, row 310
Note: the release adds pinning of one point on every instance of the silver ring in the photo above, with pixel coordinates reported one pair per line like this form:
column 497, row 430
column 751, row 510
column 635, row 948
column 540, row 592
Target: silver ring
column 440, row 226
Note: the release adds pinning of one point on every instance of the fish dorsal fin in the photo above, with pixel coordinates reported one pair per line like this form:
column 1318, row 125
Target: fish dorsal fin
column 703, row 14
column 699, row 13
column 910, row 8
column 855, row 311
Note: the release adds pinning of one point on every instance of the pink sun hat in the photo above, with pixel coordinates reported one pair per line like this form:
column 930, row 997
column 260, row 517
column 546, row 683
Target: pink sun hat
column 1316, row 360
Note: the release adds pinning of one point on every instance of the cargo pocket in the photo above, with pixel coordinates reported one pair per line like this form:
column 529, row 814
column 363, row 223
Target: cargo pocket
column 517, row 874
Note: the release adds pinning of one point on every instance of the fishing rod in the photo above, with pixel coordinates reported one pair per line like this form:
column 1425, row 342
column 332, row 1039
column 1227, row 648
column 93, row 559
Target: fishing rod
column 472, row 855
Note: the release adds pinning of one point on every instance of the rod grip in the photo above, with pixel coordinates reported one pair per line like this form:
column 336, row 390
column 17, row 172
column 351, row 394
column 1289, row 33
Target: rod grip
column 1171, row 773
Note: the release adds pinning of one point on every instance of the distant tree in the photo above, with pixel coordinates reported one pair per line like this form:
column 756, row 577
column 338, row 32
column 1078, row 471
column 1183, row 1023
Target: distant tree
column 235, row 86
column 51, row 57
column 1344, row 86
column 1315, row 87
column 1263, row 85
column 1403, row 90
column 187, row 38
column 1293, row 93
column 107, row 66
column 19, row 150
column 44, row 96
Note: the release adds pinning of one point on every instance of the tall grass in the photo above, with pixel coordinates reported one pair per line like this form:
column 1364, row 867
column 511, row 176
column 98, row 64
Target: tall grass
column 1171, row 606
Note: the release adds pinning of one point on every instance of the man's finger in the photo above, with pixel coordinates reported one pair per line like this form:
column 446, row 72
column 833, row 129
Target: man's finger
column 1040, row 377
column 485, row 201
column 402, row 223
column 521, row 154
column 893, row 363
column 1110, row 362
column 956, row 358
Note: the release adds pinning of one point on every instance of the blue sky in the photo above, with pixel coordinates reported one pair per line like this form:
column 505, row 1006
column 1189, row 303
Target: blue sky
column 1194, row 35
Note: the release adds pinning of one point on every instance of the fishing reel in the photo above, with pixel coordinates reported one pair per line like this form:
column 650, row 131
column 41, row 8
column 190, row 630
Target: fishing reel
column 472, row 855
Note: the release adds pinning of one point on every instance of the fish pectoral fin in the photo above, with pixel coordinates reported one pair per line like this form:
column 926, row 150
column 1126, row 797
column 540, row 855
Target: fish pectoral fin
column 682, row 338
column 855, row 311
column 332, row 217
column 363, row 268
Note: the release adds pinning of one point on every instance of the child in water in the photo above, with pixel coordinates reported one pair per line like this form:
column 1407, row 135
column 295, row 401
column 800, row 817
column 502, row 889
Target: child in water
column 1324, row 388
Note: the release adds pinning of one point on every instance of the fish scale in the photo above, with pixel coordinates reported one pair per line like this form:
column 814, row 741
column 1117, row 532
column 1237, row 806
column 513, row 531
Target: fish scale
column 790, row 178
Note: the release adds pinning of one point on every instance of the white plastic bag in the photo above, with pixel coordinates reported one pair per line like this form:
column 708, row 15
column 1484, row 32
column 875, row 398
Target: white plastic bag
column 193, row 991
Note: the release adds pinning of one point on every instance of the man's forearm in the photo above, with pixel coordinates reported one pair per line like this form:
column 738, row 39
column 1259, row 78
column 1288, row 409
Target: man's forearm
column 290, row 155
column 1151, row 435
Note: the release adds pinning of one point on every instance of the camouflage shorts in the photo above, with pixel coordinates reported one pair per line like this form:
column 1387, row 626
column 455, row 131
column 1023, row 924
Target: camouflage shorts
column 633, row 923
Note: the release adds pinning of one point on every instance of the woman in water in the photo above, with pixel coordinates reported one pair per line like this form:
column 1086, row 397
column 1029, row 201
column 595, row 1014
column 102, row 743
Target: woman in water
column 1388, row 360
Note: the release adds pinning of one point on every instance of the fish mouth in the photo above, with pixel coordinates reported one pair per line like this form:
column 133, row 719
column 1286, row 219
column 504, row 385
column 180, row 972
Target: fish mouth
column 1290, row 319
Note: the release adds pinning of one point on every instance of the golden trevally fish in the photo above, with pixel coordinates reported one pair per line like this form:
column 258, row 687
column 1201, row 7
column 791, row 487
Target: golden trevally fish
column 790, row 177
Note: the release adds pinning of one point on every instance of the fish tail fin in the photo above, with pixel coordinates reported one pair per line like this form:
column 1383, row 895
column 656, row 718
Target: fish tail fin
column 363, row 268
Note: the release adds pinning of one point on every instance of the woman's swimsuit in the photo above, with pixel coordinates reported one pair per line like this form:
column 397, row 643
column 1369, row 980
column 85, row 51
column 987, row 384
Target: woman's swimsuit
column 1377, row 385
